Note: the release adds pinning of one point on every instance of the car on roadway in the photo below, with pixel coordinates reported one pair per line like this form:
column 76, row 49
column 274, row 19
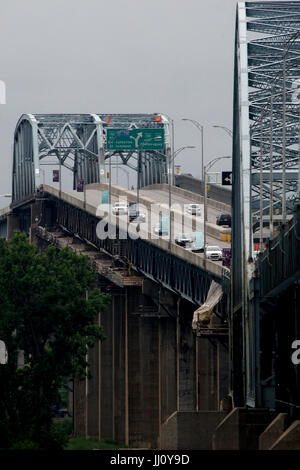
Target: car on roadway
column 224, row 219
column 226, row 257
column 182, row 239
column 120, row 208
column 135, row 215
column 213, row 253
column 194, row 209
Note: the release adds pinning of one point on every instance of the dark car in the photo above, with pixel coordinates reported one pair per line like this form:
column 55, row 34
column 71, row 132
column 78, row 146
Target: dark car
column 135, row 214
column 182, row 239
column 224, row 219
column 226, row 257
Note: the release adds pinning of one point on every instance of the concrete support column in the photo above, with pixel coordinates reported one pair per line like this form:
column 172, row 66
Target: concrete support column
column 120, row 367
column 108, row 389
column 107, row 374
column 13, row 223
column 126, row 426
column 213, row 373
column 80, row 406
column 167, row 363
column 186, row 360
column 93, row 391
column 223, row 371
column 208, row 375
column 143, row 375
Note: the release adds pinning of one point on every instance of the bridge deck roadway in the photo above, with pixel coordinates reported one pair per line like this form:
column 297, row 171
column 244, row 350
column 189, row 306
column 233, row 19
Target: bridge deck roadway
column 93, row 200
column 162, row 196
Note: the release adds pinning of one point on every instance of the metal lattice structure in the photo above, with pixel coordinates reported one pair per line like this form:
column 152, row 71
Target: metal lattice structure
column 266, row 129
column 78, row 142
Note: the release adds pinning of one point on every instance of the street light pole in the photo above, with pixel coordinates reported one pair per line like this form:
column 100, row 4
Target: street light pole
column 205, row 212
column 173, row 140
column 228, row 131
column 109, row 188
column 170, row 202
column 138, row 181
column 172, row 143
column 201, row 128
column 171, row 159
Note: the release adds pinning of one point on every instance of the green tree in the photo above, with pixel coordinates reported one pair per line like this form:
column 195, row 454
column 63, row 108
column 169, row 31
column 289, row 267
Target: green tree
column 48, row 307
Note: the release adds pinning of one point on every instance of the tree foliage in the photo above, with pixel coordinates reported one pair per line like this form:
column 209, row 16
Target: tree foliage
column 48, row 310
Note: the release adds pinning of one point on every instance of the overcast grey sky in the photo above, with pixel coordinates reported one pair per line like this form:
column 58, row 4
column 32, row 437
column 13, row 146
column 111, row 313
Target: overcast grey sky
column 120, row 56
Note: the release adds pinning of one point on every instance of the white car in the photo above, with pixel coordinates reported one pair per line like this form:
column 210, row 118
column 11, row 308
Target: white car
column 194, row 209
column 120, row 207
column 214, row 253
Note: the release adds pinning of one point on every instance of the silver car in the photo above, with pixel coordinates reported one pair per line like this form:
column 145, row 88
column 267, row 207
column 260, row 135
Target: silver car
column 214, row 253
column 120, row 207
column 194, row 209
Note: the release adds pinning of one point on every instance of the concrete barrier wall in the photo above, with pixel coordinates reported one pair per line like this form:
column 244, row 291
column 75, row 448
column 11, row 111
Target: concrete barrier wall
column 217, row 192
column 194, row 197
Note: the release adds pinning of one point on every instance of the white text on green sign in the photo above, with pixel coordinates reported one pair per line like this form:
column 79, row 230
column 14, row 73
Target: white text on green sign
column 135, row 139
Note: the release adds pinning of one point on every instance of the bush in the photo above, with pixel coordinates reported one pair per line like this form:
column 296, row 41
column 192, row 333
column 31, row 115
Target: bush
column 59, row 434
column 26, row 444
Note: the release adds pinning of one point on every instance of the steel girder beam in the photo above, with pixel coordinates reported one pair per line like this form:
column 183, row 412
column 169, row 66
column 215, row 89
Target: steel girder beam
column 266, row 120
column 78, row 142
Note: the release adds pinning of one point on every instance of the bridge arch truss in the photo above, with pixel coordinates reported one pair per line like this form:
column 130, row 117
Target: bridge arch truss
column 78, row 143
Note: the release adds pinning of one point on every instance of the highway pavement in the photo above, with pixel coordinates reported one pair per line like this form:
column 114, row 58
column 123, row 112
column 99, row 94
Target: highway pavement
column 159, row 197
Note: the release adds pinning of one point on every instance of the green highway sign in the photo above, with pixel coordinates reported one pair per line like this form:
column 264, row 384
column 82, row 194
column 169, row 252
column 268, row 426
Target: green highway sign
column 135, row 139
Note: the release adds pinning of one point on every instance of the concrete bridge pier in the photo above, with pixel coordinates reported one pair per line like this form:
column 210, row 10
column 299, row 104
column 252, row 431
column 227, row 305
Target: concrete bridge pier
column 133, row 384
column 186, row 351
column 13, row 224
column 150, row 366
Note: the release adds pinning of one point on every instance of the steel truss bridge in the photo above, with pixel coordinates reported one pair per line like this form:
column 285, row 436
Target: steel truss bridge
column 266, row 159
column 78, row 142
